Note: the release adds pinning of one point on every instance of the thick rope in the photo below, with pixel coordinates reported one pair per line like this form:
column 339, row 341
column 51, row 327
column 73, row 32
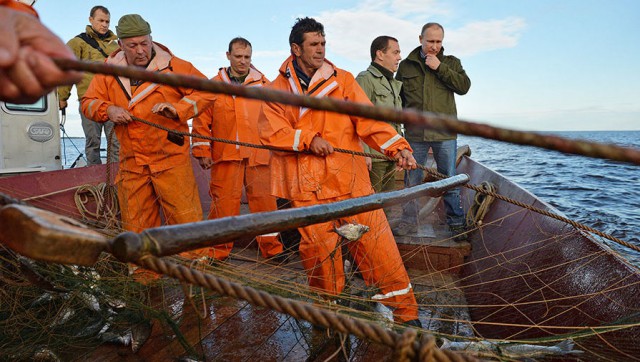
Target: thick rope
column 106, row 204
column 411, row 117
column 410, row 348
column 481, row 204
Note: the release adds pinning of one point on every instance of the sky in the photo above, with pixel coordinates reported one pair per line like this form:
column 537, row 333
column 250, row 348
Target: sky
column 539, row 65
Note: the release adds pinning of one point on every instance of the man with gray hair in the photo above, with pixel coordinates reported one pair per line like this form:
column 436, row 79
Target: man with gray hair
column 152, row 161
column 429, row 80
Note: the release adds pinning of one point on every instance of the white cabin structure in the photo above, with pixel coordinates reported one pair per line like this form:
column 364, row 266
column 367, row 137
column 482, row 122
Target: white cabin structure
column 30, row 136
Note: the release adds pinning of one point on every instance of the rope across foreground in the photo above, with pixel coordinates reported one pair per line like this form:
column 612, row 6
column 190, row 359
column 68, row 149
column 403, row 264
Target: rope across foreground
column 407, row 346
column 411, row 117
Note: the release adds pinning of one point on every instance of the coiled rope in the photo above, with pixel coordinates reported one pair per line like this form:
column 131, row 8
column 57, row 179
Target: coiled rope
column 106, row 202
column 104, row 195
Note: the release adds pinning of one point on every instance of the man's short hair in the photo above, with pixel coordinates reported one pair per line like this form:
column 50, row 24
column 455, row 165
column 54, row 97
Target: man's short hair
column 302, row 26
column 92, row 13
column 239, row 40
column 430, row 25
column 380, row 43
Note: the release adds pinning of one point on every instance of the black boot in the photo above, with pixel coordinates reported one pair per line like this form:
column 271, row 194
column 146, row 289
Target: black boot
column 415, row 323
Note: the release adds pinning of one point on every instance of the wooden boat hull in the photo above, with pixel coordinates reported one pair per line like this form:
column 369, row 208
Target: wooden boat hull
column 532, row 276
column 528, row 276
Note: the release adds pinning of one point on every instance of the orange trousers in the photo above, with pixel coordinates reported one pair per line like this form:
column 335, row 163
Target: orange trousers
column 143, row 196
column 375, row 254
column 227, row 180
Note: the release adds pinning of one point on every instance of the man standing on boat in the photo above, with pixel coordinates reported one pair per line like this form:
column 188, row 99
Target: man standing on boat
column 378, row 84
column 155, row 166
column 95, row 45
column 318, row 175
column 429, row 80
column 234, row 167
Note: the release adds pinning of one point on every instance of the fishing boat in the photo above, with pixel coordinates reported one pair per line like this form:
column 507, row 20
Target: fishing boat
column 525, row 284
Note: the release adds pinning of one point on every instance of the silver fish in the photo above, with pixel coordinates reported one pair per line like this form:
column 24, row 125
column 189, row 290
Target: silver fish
column 512, row 350
column 45, row 355
column 123, row 339
column 480, row 346
column 139, row 335
column 531, row 351
column 350, row 231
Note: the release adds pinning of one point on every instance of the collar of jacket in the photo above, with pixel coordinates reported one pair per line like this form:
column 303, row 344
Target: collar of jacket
column 326, row 71
column 160, row 62
column 109, row 36
column 254, row 75
column 378, row 71
column 414, row 56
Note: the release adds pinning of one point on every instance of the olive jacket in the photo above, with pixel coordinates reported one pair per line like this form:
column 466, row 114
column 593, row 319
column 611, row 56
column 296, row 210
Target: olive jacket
column 430, row 90
column 84, row 51
column 381, row 92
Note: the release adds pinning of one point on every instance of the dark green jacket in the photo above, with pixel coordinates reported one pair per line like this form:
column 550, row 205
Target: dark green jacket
column 431, row 90
column 381, row 92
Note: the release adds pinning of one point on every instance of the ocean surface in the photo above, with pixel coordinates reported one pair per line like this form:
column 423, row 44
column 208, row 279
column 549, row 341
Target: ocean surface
column 604, row 195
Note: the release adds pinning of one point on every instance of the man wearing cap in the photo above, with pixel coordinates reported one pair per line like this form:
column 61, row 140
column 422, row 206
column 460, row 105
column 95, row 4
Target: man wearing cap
column 95, row 45
column 155, row 167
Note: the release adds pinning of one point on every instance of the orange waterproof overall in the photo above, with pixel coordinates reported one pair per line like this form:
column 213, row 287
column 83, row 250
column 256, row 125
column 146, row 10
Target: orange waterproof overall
column 235, row 118
column 307, row 179
column 151, row 167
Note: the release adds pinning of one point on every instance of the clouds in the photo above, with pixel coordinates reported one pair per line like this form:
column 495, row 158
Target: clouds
column 350, row 31
column 483, row 36
column 407, row 8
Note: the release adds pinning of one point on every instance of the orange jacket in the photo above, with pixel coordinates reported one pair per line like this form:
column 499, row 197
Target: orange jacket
column 140, row 144
column 296, row 176
column 17, row 5
column 231, row 118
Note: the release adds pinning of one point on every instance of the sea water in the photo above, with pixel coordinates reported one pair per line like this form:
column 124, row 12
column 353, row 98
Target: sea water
column 598, row 193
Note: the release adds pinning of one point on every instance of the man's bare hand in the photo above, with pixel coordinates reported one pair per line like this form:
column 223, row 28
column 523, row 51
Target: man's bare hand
column 165, row 109
column 405, row 160
column 118, row 115
column 367, row 160
column 432, row 61
column 205, row 162
column 320, row 147
column 26, row 48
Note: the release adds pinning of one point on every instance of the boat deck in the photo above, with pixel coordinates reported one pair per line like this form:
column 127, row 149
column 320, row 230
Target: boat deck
column 234, row 330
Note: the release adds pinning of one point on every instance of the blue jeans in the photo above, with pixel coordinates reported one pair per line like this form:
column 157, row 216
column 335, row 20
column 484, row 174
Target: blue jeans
column 444, row 153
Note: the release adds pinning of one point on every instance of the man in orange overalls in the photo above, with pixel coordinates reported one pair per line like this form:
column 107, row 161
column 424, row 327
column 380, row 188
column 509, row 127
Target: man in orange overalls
column 233, row 166
column 152, row 162
column 322, row 176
